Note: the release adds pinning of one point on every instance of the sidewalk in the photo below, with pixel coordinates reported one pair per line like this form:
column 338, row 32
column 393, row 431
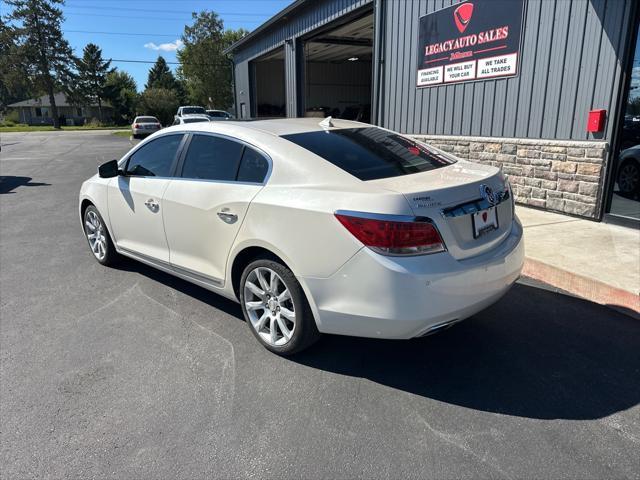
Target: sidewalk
column 596, row 261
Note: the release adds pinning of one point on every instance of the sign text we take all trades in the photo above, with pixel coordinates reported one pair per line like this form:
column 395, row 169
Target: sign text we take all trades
column 473, row 40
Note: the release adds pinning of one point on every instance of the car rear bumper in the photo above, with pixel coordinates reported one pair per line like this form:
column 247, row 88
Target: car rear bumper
column 144, row 131
column 405, row 297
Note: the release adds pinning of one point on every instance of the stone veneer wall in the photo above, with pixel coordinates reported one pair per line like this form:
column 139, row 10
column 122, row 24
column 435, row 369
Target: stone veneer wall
column 560, row 175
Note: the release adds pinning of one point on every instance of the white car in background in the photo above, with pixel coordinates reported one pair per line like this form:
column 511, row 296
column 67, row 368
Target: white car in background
column 338, row 227
column 190, row 110
column 145, row 125
column 191, row 119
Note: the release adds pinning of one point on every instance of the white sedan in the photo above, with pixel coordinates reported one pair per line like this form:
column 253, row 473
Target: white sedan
column 333, row 227
column 142, row 126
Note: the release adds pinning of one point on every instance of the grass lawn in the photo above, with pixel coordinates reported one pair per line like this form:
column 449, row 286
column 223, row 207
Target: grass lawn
column 49, row 128
column 123, row 133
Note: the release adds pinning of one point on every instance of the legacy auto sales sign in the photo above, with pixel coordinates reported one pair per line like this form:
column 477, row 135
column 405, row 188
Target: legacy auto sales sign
column 474, row 40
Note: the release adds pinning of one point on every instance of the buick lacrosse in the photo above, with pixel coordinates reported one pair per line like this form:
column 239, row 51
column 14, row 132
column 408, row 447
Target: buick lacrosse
column 333, row 227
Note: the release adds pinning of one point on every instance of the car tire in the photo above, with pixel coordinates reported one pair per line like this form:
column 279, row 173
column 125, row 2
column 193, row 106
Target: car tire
column 265, row 302
column 629, row 177
column 102, row 247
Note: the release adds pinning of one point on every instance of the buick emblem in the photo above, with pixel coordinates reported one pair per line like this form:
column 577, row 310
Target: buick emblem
column 486, row 192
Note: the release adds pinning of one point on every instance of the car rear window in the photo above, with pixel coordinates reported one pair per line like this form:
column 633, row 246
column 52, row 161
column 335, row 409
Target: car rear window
column 192, row 110
column 370, row 153
column 146, row 120
column 195, row 120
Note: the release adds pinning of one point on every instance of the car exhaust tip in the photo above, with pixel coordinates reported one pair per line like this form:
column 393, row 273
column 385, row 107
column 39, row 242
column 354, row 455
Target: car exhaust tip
column 432, row 330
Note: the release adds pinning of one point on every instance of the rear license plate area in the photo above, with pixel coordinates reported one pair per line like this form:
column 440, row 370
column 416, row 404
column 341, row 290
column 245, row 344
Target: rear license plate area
column 484, row 221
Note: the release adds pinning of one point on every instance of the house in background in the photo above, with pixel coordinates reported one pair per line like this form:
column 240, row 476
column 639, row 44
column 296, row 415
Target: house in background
column 37, row 111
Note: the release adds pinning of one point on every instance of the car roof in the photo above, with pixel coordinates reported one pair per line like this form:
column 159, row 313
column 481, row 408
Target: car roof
column 277, row 127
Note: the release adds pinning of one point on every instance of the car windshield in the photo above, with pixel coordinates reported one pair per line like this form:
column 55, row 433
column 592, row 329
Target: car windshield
column 371, row 153
column 146, row 120
column 195, row 119
column 192, row 110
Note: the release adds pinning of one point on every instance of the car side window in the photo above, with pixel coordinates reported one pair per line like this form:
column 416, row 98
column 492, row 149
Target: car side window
column 253, row 167
column 155, row 158
column 212, row 158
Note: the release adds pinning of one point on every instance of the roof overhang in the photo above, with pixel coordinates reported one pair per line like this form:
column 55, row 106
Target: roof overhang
column 276, row 18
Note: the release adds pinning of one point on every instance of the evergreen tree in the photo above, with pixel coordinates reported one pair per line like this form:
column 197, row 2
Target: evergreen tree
column 160, row 76
column 92, row 74
column 43, row 52
column 14, row 80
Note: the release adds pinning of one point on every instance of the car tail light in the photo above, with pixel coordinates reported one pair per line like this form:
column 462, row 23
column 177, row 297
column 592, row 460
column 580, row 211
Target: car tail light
column 135, row 125
column 393, row 235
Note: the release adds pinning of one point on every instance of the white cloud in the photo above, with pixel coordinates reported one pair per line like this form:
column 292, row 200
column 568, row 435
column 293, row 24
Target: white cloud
column 165, row 47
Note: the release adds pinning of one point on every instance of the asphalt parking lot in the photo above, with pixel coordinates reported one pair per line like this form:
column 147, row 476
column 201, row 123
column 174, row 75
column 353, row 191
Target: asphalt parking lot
column 131, row 373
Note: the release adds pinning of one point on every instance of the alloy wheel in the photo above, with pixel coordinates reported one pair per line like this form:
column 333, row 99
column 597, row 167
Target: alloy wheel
column 95, row 234
column 628, row 178
column 269, row 306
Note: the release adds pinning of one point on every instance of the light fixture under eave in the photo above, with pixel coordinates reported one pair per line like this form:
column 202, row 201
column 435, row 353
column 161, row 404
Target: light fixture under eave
column 352, row 59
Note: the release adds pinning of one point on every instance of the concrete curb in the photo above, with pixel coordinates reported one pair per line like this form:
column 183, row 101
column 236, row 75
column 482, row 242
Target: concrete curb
column 580, row 286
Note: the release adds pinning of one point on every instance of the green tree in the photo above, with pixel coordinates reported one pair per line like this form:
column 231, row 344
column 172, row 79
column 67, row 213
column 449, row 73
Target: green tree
column 162, row 103
column 44, row 53
column 160, row 76
column 204, row 67
column 92, row 72
column 121, row 91
column 14, row 80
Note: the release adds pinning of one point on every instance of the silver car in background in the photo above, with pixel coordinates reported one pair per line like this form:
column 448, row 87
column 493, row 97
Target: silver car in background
column 143, row 126
column 219, row 115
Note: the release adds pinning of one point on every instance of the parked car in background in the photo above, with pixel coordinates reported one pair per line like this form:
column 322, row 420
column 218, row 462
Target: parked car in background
column 145, row 125
column 334, row 226
column 219, row 115
column 191, row 119
column 628, row 175
column 190, row 110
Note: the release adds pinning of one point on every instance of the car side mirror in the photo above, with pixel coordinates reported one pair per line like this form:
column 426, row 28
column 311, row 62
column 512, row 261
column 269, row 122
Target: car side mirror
column 109, row 169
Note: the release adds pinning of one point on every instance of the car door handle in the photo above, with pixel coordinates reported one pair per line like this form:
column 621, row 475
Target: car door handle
column 227, row 217
column 152, row 205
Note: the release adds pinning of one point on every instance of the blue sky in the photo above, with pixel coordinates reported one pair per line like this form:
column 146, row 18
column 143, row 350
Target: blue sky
column 157, row 25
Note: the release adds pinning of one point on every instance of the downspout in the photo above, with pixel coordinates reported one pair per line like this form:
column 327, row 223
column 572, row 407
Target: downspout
column 377, row 102
column 233, row 85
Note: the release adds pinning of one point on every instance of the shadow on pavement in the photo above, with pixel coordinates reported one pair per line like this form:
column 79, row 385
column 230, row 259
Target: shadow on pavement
column 535, row 354
column 10, row 183
column 205, row 296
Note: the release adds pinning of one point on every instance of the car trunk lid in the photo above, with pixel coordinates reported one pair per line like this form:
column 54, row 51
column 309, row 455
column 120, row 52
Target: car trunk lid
column 450, row 196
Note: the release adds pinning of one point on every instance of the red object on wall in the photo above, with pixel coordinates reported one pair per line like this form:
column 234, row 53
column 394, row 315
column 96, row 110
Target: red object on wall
column 596, row 120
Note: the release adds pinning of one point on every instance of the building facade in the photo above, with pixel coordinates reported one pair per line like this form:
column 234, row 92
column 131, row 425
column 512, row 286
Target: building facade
column 37, row 111
column 558, row 116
